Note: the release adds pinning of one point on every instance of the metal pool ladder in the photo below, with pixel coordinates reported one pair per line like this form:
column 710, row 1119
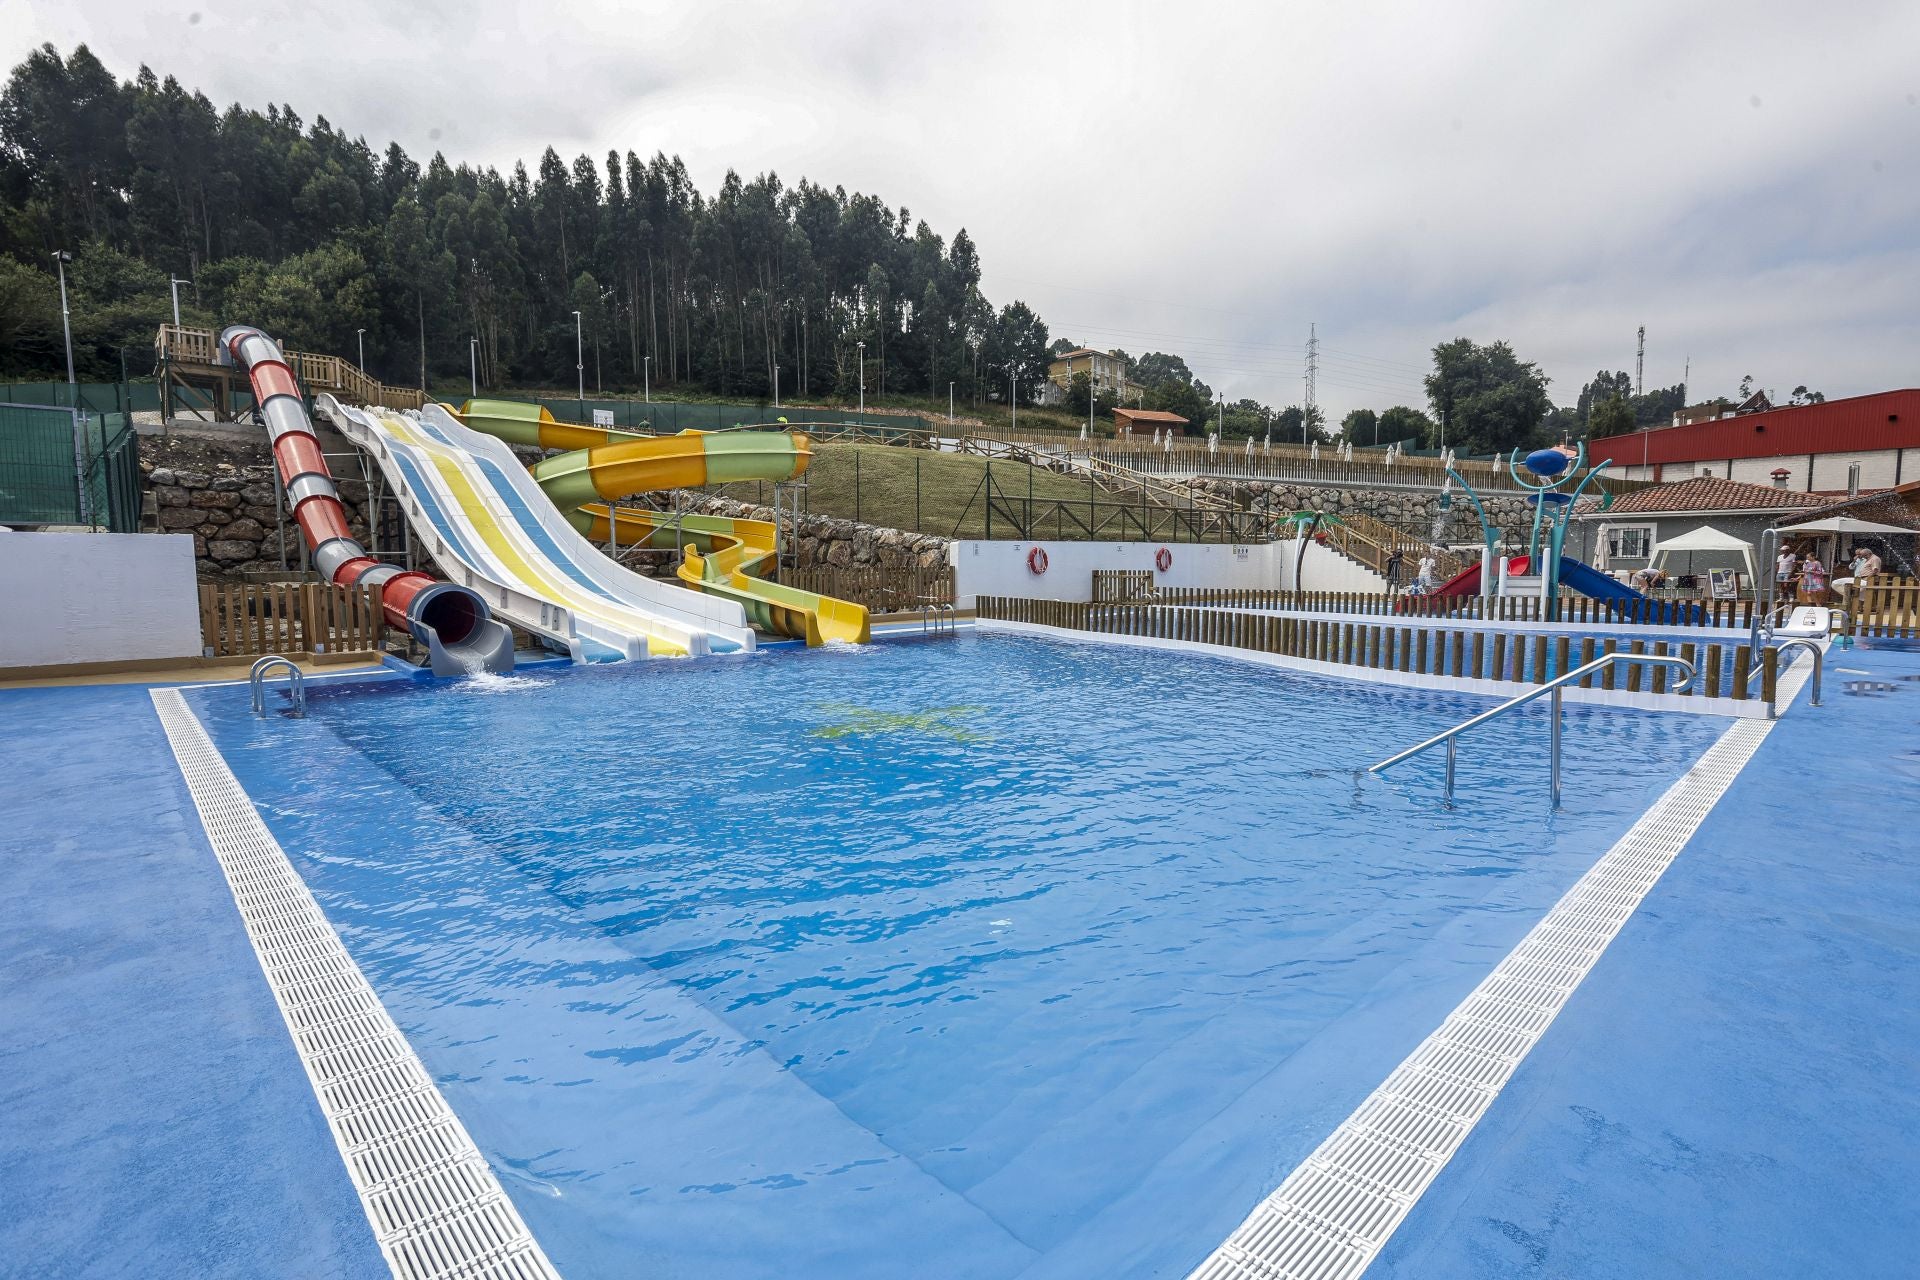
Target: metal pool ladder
column 296, row 684
column 1551, row 689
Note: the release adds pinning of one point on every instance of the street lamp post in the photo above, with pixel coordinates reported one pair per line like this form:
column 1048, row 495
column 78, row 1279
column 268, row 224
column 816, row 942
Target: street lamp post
column 1013, row 396
column 60, row 260
column 360, row 336
column 173, row 283
column 1090, row 397
column 599, row 387
column 949, row 404
column 646, row 379
column 776, row 386
column 580, row 366
column 473, row 364
column 863, row 375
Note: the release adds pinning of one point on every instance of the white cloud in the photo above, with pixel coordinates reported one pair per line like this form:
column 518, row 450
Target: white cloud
column 1744, row 178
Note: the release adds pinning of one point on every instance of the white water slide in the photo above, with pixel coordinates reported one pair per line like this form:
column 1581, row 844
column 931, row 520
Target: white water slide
column 486, row 523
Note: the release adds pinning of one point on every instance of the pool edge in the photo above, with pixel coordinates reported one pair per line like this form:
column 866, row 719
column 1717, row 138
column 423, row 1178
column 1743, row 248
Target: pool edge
column 432, row 1201
column 1335, row 1212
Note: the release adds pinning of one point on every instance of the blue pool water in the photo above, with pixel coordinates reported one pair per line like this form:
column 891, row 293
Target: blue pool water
column 993, row 956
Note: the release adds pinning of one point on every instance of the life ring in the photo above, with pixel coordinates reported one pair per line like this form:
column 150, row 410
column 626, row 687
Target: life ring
column 1163, row 559
column 1037, row 560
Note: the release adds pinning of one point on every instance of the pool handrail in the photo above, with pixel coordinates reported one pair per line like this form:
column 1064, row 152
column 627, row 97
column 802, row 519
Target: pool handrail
column 1814, row 647
column 1551, row 688
column 296, row 684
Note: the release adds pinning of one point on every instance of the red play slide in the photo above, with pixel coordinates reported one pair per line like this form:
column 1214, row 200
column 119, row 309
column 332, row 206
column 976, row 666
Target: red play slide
column 1464, row 583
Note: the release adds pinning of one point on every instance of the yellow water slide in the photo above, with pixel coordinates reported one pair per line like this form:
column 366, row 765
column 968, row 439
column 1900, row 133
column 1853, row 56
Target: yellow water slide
column 722, row 556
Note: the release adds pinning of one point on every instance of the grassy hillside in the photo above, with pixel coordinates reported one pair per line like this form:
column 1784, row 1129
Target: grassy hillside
column 877, row 484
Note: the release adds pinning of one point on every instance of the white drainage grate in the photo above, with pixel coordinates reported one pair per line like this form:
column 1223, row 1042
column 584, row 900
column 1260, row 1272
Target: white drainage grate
column 436, row 1208
column 1336, row 1211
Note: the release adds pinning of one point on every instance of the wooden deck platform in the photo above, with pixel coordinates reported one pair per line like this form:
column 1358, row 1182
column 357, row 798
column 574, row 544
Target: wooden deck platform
column 193, row 379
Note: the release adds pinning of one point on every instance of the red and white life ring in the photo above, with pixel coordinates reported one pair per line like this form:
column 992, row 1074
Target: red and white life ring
column 1037, row 560
column 1163, row 559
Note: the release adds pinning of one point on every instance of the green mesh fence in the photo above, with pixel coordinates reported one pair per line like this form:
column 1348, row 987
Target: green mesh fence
column 62, row 467
column 95, row 397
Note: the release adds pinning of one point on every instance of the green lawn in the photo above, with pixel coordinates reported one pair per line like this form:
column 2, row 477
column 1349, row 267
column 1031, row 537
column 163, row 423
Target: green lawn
column 943, row 493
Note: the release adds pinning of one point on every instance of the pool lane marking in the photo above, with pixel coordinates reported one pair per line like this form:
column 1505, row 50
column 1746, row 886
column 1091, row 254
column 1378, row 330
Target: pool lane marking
column 436, row 1208
column 1333, row 1214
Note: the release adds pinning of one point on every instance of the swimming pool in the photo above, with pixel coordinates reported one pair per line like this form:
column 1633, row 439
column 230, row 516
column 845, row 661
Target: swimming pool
column 989, row 956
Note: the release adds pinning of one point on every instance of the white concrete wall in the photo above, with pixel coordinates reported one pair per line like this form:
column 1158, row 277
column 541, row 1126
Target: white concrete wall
column 1000, row 568
column 97, row 597
column 1324, row 569
column 1879, row 469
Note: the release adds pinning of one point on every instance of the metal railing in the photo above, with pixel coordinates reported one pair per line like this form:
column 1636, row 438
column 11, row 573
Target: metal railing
column 1819, row 653
column 1550, row 689
column 296, row 684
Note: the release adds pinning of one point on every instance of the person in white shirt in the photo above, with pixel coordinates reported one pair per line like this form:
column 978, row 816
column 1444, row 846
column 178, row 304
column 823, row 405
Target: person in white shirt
column 1427, row 566
column 1869, row 564
column 1783, row 567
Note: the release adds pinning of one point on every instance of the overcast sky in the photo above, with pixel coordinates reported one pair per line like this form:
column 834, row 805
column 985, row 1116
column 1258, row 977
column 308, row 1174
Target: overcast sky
column 1742, row 177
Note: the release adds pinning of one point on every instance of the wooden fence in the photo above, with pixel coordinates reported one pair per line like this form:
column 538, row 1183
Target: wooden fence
column 881, row 590
column 1726, row 670
column 249, row 619
column 1371, row 544
column 184, row 345
column 1885, row 605
column 1121, row 585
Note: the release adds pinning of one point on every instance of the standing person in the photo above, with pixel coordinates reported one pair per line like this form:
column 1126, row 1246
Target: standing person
column 1394, row 562
column 1783, row 571
column 1813, row 580
column 1427, row 566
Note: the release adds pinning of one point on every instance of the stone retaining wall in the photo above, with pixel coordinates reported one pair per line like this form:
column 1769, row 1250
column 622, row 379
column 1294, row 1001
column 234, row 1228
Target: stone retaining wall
column 221, row 492
column 823, row 541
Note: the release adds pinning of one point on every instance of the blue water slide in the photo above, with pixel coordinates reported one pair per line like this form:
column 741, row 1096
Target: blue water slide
column 1589, row 581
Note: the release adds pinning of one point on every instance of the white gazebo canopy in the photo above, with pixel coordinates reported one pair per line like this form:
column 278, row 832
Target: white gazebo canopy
column 1843, row 524
column 1706, row 539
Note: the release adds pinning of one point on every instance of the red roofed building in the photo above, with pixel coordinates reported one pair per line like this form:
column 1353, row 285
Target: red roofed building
column 1809, row 447
column 1626, row 534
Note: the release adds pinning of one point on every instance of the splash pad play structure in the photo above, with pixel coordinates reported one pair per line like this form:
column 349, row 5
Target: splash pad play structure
column 1555, row 483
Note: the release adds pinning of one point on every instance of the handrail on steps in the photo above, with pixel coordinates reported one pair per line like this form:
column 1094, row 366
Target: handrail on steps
column 1553, row 688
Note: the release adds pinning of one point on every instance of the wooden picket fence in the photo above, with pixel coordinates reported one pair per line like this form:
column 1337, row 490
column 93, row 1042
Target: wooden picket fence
column 1123, row 585
column 879, row 589
column 1886, row 605
column 250, row 619
column 1726, row 670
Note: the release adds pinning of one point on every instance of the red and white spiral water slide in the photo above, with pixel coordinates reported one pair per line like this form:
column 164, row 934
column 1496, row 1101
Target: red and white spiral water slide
column 453, row 622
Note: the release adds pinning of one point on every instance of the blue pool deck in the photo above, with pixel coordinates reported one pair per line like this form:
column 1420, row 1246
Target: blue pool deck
column 1734, row 1090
